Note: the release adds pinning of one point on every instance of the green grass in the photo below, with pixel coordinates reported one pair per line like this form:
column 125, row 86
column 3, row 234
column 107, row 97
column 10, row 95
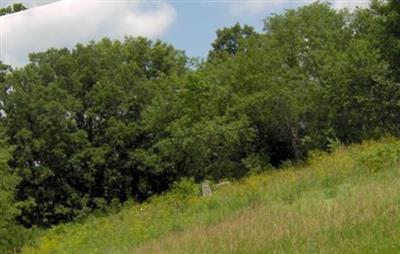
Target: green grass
column 344, row 202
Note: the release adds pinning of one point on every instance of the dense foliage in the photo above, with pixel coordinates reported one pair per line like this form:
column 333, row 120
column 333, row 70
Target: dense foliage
column 17, row 7
column 73, row 117
column 109, row 121
column 11, row 234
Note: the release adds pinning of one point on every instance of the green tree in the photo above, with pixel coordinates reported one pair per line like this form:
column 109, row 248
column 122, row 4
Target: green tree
column 353, row 96
column 192, row 135
column 74, row 119
column 4, row 69
column 11, row 233
column 231, row 40
column 387, row 14
column 17, row 7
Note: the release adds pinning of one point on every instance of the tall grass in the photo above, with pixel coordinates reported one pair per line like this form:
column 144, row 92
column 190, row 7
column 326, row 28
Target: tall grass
column 357, row 219
column 343, row 202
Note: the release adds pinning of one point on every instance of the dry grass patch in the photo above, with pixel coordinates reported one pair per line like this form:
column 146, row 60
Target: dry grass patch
column 259, row 229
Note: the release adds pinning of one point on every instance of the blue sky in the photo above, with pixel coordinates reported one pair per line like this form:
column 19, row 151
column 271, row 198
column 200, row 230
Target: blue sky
column 196, row 24
column 189, row 25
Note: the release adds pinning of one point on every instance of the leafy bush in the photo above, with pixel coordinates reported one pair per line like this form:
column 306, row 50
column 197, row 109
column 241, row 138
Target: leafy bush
column 382, row 157
column 185, row 187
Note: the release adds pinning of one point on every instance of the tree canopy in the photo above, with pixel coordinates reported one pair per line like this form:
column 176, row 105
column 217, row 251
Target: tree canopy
column 17, row 7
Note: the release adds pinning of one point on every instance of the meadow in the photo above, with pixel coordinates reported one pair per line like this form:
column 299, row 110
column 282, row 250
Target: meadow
column 343, row 201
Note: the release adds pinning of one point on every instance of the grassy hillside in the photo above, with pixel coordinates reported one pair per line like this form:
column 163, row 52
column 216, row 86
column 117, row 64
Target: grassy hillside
column 347, row 201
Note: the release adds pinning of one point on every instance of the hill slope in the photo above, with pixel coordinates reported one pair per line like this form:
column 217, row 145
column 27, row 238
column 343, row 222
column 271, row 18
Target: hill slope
column 347, row 201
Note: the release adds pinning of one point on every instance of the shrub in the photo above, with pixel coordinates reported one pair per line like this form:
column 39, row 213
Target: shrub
column 383, row 156
column 185, row 187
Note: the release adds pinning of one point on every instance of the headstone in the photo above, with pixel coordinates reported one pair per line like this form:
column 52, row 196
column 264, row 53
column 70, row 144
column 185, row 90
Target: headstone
column 206, row 189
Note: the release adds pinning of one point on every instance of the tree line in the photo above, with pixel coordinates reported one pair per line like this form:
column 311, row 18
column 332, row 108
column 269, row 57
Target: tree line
column 17, row 7
column 108, row 121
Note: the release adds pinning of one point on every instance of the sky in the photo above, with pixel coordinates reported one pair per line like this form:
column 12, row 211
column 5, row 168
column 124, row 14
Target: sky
column 189, row 25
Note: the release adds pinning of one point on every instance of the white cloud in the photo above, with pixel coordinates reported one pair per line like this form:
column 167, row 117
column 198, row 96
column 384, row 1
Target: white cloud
column 254, row 7
column 67, row 22
column 27, row 3
column 250, row 7
column 352, row 4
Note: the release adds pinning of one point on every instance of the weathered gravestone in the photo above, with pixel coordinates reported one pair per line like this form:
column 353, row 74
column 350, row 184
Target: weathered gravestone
column 206, row 189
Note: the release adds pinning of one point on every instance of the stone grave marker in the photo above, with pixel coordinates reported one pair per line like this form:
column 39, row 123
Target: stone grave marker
column 206, row 189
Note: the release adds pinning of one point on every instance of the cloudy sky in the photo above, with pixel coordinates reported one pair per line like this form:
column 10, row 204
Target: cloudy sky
column 187, row 24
